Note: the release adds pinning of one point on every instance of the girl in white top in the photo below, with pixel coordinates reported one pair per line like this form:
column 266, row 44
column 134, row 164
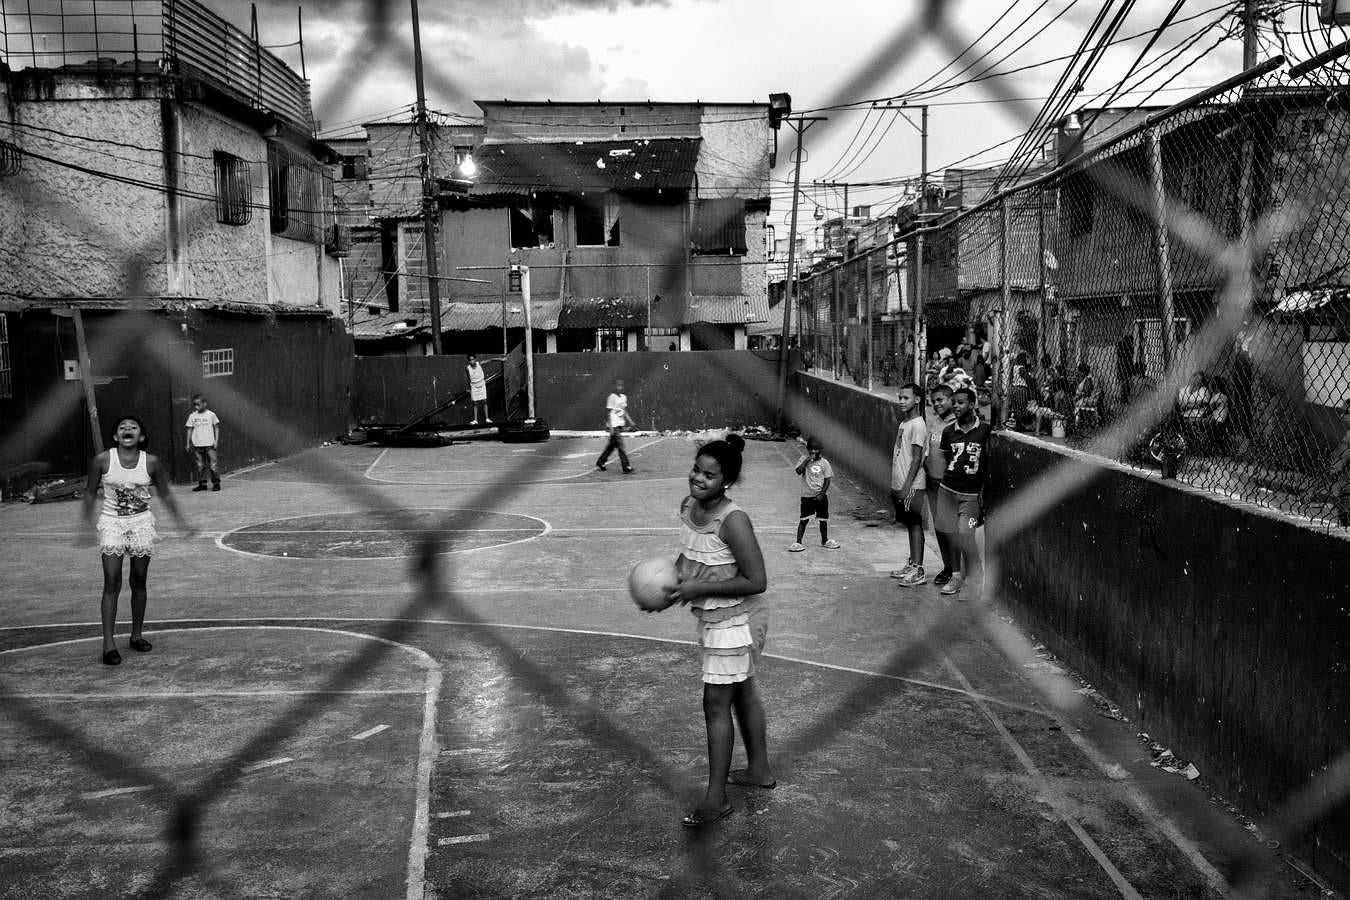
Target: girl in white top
column 721, row 570
column 126, row 526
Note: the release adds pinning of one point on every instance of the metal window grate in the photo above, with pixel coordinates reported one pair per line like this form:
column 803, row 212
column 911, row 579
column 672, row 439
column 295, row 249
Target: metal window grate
column 11, row 160
column 234, row 190
column 216, row 363
column 6, row 369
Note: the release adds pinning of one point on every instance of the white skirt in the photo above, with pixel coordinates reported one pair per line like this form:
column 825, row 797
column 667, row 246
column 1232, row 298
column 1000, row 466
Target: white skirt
column 127, row 535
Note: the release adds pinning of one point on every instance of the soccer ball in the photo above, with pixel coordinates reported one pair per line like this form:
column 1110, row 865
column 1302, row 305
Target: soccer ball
column 650, row 583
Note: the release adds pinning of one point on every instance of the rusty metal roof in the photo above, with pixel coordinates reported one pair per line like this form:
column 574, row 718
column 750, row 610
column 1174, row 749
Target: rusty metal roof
column 635, row 165
column 733, row 309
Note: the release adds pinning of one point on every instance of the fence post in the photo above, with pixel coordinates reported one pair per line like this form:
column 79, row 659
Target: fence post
column 920, row 324
column 1162, row 247
column 835, row 330
column 1041, row 302
column 1005, row 300
column 867, row 311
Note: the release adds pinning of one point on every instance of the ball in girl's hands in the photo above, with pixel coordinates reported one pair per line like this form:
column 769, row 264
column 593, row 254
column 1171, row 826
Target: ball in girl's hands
column 651, row 581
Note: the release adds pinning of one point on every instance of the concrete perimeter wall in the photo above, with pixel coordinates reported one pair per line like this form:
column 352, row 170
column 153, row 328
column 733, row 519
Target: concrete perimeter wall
column 666, row 391
column 1219, row 629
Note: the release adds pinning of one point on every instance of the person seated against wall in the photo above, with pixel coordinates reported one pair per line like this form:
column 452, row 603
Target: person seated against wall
column 1087, row 398
column 1044, row 413
column 1218, row 416
column 1193, row 405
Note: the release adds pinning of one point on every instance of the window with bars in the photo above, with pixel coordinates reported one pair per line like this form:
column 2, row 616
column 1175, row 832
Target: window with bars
column 216, row 363
column 6, row 368
column 234, row 190
column 610, row 340
column 298, row 191
column 719, row 226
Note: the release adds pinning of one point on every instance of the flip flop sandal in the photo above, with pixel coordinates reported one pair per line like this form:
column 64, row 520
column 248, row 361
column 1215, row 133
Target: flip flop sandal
column 700, row 819
column 737, row 776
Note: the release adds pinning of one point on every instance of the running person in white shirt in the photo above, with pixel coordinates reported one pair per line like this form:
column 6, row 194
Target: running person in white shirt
column 616, row 420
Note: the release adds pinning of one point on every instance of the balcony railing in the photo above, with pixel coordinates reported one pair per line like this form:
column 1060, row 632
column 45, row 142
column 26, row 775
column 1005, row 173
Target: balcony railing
column 181, row 36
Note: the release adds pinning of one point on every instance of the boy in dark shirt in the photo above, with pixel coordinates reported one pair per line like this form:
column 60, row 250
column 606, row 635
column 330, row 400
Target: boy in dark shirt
column 965, row 446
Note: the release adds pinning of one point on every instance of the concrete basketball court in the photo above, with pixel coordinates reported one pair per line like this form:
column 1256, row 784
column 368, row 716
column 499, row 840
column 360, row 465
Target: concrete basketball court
column 515, row 727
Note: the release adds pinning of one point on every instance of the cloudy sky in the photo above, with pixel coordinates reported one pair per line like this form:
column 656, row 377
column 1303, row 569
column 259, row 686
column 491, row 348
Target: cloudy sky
column 358, row 58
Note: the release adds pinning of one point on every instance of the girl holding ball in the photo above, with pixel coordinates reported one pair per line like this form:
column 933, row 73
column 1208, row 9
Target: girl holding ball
column 721, row 570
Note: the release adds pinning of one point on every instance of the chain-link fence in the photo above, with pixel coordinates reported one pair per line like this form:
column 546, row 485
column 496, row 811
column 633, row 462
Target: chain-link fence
column 1069, row 299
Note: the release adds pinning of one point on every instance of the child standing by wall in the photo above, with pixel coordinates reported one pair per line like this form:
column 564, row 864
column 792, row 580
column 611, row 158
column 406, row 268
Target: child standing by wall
column 477, row 389
column 965, row 445
column 721, row 569
column 816, row 475
column 935, row 466
column 203, row 440
column 126, row 526
column 908, row 480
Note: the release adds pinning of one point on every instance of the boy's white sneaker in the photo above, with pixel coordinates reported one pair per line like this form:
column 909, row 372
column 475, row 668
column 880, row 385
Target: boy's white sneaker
column 831, row 544
column 797, row 547
column 953, row 586
column 915, row 578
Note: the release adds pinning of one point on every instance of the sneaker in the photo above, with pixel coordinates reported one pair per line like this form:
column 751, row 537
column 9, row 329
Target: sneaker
column 474, row 422
column 915, row 577
column 200, row 487
column 487, row 420
column 628, row 471
column 942, row 577
column 600, row 466
column 797, row 547
column 831, row 544
column 216, row 486
column 954, row 585
column 903, row 570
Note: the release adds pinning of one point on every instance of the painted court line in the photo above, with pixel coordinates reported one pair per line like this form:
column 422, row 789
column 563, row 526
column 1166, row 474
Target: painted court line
column 114, row 792
column 1046, row 791
column 371, row 732
column 454, row 814
column 462, row 839
column 269, row 763
column 196, row 695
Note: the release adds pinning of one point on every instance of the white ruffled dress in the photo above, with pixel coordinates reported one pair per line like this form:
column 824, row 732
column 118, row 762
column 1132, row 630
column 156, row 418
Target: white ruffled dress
column 731, row 630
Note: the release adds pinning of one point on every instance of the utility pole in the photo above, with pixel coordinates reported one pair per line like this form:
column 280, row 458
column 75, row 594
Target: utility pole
column 1248, row 34
column 799, row 125
column 430, row 203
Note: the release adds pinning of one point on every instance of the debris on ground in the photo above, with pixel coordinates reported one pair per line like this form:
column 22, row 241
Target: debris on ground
column 60, row 487
column 1166, row 760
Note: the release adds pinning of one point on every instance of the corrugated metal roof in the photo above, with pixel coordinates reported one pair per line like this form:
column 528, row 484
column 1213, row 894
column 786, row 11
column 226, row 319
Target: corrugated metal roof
column 737, row 309
column 367, row 327
column 603, row 312
column 463, row 315
column 636, row 165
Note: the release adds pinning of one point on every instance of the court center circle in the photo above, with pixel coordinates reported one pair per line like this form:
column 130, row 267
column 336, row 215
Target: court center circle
column 383, row 535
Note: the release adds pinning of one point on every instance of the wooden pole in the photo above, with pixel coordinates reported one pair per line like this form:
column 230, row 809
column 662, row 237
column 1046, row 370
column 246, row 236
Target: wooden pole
column 87, row 380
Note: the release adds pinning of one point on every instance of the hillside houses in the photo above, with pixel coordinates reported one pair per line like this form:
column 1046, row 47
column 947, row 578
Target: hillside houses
column 642, row 226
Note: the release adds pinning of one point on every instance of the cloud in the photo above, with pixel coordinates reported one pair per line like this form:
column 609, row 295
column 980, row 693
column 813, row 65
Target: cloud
column 359, row 58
